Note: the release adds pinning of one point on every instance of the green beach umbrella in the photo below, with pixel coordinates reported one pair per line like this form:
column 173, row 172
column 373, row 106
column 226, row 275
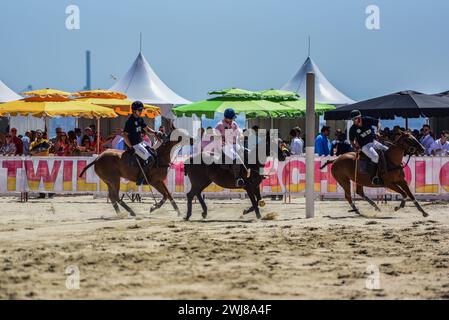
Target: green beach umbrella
column 320, row 108
column 235, row 93
column 278, row 95
column 256, row 108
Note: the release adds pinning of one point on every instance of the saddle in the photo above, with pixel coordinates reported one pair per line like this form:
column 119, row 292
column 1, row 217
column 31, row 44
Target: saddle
column 366, row 166
column 132, row 159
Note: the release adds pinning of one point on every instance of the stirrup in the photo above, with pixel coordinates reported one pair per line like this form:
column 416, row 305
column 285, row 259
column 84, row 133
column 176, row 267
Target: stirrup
column 239, row 182
column 377, row 181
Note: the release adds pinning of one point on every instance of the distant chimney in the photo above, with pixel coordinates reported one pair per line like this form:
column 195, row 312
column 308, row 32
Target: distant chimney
column 88, row 83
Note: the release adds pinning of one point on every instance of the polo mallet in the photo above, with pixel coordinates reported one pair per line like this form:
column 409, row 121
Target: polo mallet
column 146, row 179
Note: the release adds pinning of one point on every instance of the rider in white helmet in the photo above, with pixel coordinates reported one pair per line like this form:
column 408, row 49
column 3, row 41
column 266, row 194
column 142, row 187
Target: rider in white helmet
column 229, row 129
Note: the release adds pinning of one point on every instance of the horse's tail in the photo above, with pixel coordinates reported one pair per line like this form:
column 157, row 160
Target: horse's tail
column 87, row 167
column 328, row 162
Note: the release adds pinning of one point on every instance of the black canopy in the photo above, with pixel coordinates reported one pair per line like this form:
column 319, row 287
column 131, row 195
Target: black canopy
column 406, row 104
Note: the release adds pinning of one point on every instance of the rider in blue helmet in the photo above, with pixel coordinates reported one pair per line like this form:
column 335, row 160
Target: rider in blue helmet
column 229, row 129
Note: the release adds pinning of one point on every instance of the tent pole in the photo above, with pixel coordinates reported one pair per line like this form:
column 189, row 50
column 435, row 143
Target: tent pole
column 98, row 135
column 406, row 123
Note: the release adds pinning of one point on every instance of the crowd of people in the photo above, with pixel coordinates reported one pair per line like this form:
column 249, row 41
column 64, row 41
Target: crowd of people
column 72, row 143
column 79, row 142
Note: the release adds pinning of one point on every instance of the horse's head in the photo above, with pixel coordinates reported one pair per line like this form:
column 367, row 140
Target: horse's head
column 408, row 143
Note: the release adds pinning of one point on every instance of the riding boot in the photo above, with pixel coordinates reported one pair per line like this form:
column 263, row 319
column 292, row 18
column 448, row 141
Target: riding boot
column 239, row 182
column 375, row 171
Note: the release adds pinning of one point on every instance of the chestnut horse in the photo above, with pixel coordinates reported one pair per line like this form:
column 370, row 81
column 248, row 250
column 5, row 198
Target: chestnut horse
column 112, row 165
column 343, row 170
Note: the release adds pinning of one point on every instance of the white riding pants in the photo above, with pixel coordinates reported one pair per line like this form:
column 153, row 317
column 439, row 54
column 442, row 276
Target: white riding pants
column 231, row 151
column 142, row 151
column 370, row 150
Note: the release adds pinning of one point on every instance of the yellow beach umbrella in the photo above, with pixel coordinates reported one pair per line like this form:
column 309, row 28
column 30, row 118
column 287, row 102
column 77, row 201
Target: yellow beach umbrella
column 116, row 100
column 68, row 108
column 47, row 92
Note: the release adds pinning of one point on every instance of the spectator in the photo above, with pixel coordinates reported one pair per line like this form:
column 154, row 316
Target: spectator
column 73, row 144
column 440, row 147
column 58, row 134
column 89, row 133
column 8, row 148
column 26, row 139
column 322, row 142
column 416, row 134
column 253, row 138
column 79, row 135
column 61, row 147
column 426, row 140
column 296, row 143
column 86, row 148
column 18, row 142
column 340, row 145
column 39, row 146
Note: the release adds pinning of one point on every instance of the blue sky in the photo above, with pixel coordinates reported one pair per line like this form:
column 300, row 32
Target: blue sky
column 199, row 45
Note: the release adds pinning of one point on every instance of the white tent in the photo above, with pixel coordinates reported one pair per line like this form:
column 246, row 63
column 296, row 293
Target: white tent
column 325, row 92
column 21, row 123
column 142, row 83
column 6, row 94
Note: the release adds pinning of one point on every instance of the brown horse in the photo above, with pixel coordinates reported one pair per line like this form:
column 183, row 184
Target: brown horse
column 201, row 175
column 112, row 165
column 343, row 170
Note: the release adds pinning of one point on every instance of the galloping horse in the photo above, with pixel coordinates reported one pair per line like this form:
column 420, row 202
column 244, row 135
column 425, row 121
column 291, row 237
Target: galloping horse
column 112, row 165
column 201, row 175
column 344, row 170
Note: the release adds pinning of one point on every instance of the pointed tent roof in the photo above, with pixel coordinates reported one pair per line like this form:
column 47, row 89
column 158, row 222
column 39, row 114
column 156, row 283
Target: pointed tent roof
column 324, row 90
column 142, row 83
column 6, row 94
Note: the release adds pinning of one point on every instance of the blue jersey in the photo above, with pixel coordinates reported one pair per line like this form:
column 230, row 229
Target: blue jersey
column 365, row 133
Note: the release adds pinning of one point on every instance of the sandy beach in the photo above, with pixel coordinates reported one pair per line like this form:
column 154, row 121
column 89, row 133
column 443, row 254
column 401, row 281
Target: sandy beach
column 226, row 256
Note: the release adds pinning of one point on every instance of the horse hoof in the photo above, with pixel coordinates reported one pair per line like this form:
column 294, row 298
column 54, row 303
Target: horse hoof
column 152, row 209
column 397, row 208
column 378, row 209
column 425, row 214
column 261, row 203
column 204, row 215
column 245, row 212
column 186, row 218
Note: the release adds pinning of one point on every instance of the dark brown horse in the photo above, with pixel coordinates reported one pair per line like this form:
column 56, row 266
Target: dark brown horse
column 112, row 165
column 343, row 170
column 201, row 175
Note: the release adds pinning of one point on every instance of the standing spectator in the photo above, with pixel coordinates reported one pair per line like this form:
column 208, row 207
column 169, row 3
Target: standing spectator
column 17, row 141
column 8, row 148
column 26, row 139
column 79, row 135
column 296, row 143
column 253, row 138
column 441, row 146
column 322, row 142
column 426, row 140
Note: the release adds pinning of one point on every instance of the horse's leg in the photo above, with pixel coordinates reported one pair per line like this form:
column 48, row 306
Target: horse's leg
column 170, row 198
column 360, row 192
column 252, row 197
column 127, row 208
column 398, row 189
column 346, row 185
column 404, row 186
column 196, row 191
column 159, row 186
column 113, row 196
column 116, row 187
